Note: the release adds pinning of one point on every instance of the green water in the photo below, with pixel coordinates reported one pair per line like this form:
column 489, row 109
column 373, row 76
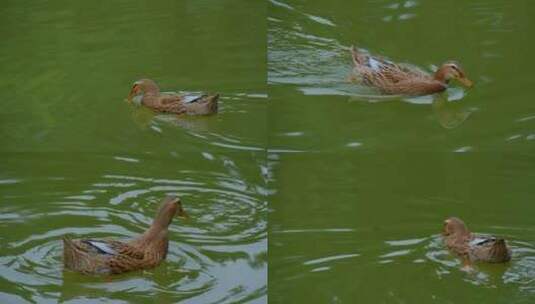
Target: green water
column 78, row 160
column 363, row 184
column 356, row 185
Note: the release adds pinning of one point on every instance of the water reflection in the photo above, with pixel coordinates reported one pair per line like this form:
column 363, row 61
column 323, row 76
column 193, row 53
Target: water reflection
column 225, row 234
column 320, row 65
column 449, row 115
column 206, row 129
column 431, row 249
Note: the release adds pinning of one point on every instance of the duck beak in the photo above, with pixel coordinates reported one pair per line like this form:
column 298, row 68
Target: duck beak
column 445, row 228
column 129, row 98
column 466, row 82
column 132, row 93
column 181, row 214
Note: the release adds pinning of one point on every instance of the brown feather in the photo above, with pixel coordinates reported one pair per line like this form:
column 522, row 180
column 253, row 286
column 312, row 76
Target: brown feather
column 460, row 241
column 145, row 251
column 175, row 104
column 400, row 79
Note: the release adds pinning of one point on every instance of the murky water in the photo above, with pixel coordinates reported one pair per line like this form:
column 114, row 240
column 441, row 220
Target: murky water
column 117, row 197
column 363, row 183
column 314, row 107
column 78, row 160
column 367, row 228
column 358, row 184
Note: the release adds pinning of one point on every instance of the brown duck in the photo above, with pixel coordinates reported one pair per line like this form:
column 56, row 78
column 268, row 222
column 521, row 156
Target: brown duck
column 92, row 256
column 471, row 247
column 401, row 79
column 147, row 93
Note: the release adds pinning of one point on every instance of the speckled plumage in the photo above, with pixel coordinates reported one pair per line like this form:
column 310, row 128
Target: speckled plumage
column 471, row 247
column 400, row 79
column 148, row 94
column 105, row 256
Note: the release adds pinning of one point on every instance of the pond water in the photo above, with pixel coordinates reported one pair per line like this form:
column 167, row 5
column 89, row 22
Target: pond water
column 314, row 108
column 363, row 183
column 79, row 161
column 356, row 185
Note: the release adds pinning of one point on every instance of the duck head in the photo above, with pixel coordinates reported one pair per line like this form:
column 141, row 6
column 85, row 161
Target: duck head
column 454, row 226
column 143, row 87
column 452, row 70
column 171, row 206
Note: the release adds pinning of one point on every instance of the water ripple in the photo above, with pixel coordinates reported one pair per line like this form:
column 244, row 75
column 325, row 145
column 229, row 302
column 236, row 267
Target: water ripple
column 225, row 234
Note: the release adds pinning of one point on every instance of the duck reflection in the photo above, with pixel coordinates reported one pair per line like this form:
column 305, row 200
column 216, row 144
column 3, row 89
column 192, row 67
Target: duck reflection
column 147, row 119
column 449, row 114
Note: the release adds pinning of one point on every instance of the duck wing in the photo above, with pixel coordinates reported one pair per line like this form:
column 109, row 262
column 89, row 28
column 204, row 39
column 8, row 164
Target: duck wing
column 85, row 258
column 202, row 104
column 100, row 247
column 101, row 256
column 481, row 241
column 115, row 248
column 167, row 104
column 489, row 249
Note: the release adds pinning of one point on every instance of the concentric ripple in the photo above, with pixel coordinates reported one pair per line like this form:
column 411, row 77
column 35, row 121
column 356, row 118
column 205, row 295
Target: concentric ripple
column 224, row 235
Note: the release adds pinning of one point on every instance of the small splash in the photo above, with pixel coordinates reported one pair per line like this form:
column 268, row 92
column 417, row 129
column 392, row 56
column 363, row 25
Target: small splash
column 281, row 4
column 320, row 20
column 127, row 159
column 354, row 144
column 527, row 118
column 331, row 258
column 9, row 181
column 207, row 156
column 293, row 134
column 406, row 16
column 320, row 269
column 328, row 230
column 396, row 253
column 464, row 149
column 514, row 137
column 410, row 3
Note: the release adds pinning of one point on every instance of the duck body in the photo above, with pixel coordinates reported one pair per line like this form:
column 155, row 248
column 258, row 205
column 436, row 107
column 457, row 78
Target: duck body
column 106, row 256
column 401, row 79
column 147, row 93
column 473, row 247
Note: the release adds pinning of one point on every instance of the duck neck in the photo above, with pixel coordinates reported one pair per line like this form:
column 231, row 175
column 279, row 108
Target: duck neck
column 462, row 235
column 150, row 91
column 440, row 75
column 155, row 234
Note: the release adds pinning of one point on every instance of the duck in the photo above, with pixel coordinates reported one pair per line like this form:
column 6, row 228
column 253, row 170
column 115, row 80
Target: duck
column 108, row 257
column 401, row 79
column 146, row 92
column 473, row 247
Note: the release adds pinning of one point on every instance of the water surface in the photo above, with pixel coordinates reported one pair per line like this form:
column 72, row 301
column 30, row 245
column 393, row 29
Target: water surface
column 315, row 108
column 363, row 183
column 78, row 160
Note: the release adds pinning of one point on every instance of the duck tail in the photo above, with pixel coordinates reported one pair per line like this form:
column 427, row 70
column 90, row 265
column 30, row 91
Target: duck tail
column 500, row 252
column 355, row 55
column 213, row 102
column 69, row 252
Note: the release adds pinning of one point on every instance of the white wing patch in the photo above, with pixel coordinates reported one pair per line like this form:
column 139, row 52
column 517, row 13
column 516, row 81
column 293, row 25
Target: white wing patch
column 374, row 64
column 190, row 98
column 480, row 240
column 101, row 246
column 137, row 99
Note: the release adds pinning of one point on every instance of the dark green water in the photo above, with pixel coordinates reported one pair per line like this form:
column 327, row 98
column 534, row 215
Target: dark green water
column 357, row 185
column 78, row 160
column 363, row 183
